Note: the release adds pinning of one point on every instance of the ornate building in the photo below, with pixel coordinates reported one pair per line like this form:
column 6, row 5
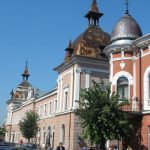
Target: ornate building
column 88, row 58
column 129, row 53
column 84, row 62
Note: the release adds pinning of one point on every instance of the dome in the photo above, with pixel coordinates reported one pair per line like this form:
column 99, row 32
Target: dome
column 23, row 91
column 91, row 42
column 125, row 30
column 25, row 84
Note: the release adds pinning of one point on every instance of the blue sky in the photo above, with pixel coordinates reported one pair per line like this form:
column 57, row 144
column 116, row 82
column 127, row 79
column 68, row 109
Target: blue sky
column 40, row 31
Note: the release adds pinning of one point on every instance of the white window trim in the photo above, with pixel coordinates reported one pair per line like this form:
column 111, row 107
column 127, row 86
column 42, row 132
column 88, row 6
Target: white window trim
column 123, row 74
column 45, row 109
column 55, row 105
column 128, row 87
column 64, row 98
column 146, row 88
column 41, row 110
column 50, row 108
column 61, row 131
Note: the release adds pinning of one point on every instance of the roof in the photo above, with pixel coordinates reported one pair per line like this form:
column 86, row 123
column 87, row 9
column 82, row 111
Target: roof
column 126, row 28
column 91, row 42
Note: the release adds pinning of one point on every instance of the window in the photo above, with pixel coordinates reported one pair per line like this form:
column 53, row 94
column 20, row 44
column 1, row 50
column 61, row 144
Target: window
column 41, row 110
column 146, row 89
column 37, row 110
column 122, row 87
column 65, row 100
column 49, row 136
column 44, row 136
column 149, row 85
column 148, row 138
column 55, row 105
column 45, row 112
column 63, row 133
column 50, row 107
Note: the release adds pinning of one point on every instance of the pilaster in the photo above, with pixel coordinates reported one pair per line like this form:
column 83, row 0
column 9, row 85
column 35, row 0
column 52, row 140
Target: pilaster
column 77, row 88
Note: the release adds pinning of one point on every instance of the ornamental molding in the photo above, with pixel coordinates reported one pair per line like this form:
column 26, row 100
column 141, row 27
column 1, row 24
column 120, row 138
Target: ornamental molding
column 122, row 65
column 122, row 74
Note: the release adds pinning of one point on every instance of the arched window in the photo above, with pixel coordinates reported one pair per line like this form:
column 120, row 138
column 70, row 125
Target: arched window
column 63, row 133
column 122, row 87
column 149, row 85
column 146, row 89
column 44, row 136
column 48, row 138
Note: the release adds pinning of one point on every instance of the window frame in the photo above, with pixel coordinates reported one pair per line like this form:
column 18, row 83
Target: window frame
column 124, row 88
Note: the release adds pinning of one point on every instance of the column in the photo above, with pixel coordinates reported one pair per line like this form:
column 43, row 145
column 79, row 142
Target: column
column 134, row 104
column 87, row 78
column 71, row 89
column 58, row 93
column 111, row 70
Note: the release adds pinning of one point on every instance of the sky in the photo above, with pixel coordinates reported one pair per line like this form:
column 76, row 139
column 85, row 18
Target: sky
column 40, row 30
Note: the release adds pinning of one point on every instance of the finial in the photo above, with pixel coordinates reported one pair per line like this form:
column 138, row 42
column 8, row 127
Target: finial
column 94, row 6
column 70, row 43
column 26, row 64
column 12, row 93
column 69, row 50
column 127, row 6
column 70, row 47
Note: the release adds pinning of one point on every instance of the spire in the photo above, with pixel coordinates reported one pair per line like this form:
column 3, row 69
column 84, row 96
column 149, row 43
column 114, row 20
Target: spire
column 12, row 94
column 94, row 14
column 94, row 7
column 69, row 50
column 26, row 74
column 127, row 7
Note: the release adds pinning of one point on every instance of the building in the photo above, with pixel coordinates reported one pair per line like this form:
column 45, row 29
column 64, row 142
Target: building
column 84, row 62
column 129, row 54
column 126, row 52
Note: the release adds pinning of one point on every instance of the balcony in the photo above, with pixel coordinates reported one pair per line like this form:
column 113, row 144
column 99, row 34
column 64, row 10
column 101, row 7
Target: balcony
column 132, row 107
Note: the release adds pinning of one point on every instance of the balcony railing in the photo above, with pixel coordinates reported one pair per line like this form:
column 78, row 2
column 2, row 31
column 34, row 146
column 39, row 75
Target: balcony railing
column 134, row 107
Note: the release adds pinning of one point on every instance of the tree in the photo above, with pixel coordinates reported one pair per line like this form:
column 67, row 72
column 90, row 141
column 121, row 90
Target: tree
column 2, row 133
column 29, row 125
column 101, row 115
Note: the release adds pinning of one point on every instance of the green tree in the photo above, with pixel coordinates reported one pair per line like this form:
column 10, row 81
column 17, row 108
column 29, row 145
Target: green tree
column 101, row 116
column 29, row 125
column 2, row 133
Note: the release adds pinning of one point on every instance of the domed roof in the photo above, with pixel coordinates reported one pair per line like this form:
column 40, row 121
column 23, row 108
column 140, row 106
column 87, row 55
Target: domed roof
column 24, row 90
column 91, row 42
column 25, row 84
column 126, row 29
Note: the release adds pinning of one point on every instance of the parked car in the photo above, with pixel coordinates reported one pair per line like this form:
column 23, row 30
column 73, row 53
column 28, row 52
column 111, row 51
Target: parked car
column 29, row 146
column 6, row 147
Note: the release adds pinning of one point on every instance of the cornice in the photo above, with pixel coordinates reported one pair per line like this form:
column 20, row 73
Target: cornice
column 79, row 60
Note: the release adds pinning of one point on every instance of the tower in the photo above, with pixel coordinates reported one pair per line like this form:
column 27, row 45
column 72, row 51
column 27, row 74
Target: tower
column 94, row 14
column 26, row 74
column 84, row 62
column 124, row 68
column 93, row 40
